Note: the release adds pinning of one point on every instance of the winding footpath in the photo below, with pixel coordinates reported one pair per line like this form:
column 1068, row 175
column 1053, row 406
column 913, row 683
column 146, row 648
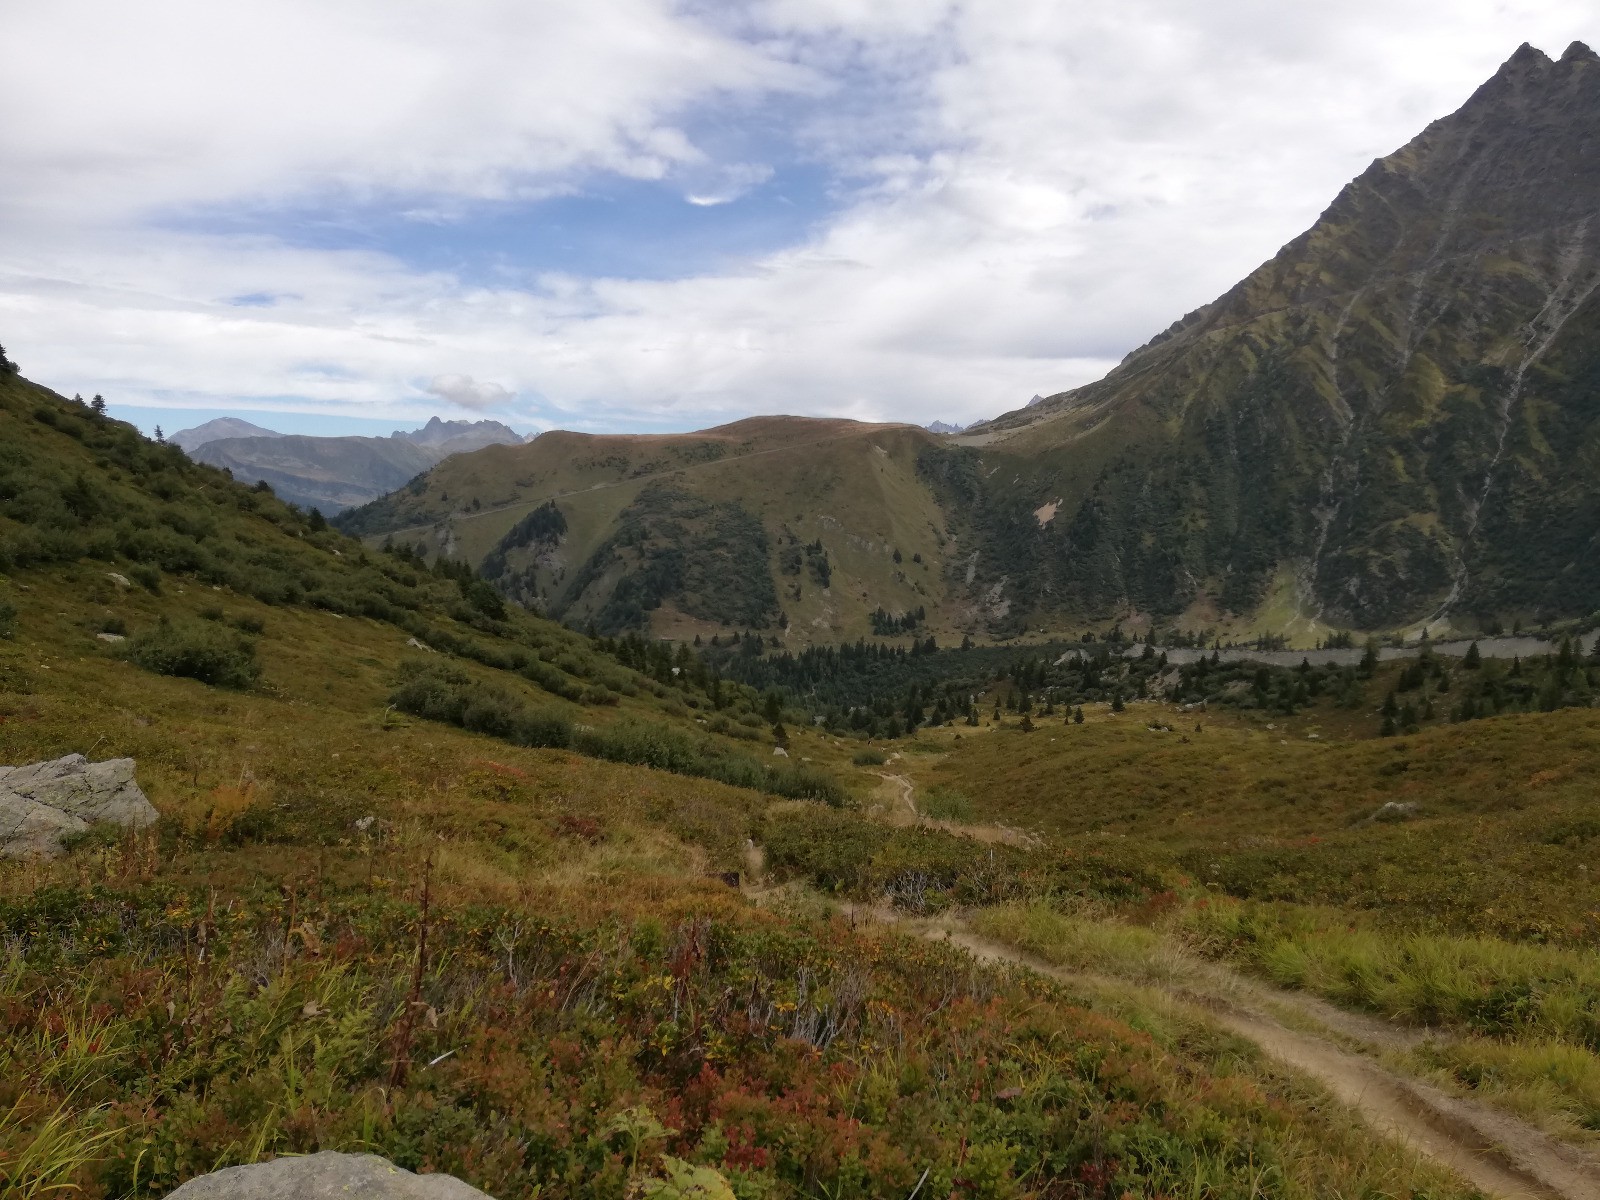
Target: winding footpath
column 1502, row 1156
column 1495, row 1152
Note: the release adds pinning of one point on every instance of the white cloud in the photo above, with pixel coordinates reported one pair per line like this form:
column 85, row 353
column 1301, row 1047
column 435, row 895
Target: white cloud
column 466, row 392
column 174, row 103
column 727, row 184
column 1034, row 188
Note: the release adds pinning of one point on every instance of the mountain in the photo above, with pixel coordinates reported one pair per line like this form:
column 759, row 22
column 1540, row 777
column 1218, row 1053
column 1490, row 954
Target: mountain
column 808, row 525
column 190, row 440
column 460, row 437
column 1395, row 420
column 329, row 474
column 332, row 474
column 943, row 427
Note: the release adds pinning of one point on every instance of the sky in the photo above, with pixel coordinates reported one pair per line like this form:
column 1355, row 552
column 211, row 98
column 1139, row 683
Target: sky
column 648, row 215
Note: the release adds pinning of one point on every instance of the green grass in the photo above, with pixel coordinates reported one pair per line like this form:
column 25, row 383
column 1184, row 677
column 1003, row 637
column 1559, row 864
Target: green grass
column 1081, row 942
column 1497, row 842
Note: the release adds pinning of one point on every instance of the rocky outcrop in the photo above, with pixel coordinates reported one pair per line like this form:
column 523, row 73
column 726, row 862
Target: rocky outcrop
column 42, row 802
column 326, row 1176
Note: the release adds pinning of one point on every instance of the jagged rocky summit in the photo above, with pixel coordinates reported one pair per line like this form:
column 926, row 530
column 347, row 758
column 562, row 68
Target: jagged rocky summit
column 329, row 1175
column 46, row 801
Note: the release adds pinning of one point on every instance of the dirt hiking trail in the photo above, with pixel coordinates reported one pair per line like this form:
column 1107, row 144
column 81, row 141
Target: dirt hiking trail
column 1491, row 1150
column 1495, row 1152
column 897, row 805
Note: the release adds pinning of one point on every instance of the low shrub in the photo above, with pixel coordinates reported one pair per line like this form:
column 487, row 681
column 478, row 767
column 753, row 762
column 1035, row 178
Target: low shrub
column 194, row 651
column 945, row 804
column 439, row 692
column 870, row 758
column 442, row 693
column 8, row 619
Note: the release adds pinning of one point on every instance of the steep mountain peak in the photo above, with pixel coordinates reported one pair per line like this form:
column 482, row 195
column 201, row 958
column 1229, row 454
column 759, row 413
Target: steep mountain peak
column 1525, row 55
column 1528, row 77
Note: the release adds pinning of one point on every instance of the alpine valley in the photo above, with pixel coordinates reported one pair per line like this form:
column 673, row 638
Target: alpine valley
column 327, row 856
column 1394, row 423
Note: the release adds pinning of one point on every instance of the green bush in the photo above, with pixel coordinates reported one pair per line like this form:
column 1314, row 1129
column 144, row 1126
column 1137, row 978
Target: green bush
column 945, row 804
column 832, row 849
column 438, row 692
column 442, row 693
column 870, row 758
column 193, row 651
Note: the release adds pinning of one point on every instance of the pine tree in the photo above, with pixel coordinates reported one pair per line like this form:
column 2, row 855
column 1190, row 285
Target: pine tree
column 1473, row 659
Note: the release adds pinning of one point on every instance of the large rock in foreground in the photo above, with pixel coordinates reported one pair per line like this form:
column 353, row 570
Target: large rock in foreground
column 326, row 1176
column 41, row 803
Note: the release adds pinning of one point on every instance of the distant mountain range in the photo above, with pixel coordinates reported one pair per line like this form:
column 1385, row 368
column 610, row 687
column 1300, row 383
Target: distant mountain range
column 332, row 474
column 943, row 427
column 1394, row 422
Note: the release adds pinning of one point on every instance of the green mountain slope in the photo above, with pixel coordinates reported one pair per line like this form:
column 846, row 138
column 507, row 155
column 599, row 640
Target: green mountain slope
column 809, row 526
column 1399, row 414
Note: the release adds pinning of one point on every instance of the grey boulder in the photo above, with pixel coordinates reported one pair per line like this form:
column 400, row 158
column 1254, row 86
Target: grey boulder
column 42, row 802
column 326, row 1176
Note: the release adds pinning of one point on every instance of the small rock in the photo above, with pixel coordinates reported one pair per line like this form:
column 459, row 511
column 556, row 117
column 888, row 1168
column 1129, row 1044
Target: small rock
column 779, row 752
column 1396, row 810
column 417, row 645
column 113, row 638
column 329, row 1175
column 122, row 581
column 42, row 802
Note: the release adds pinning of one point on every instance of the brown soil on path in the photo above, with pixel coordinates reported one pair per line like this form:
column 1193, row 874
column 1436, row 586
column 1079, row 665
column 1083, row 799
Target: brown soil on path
column 898, row 806
column 1497, row 1153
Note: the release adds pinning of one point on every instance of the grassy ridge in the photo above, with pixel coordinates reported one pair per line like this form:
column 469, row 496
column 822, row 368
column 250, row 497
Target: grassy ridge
column 855, row 487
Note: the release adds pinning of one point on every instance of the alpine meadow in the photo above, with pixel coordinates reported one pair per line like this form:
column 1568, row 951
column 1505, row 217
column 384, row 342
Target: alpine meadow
column 1184, row 787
